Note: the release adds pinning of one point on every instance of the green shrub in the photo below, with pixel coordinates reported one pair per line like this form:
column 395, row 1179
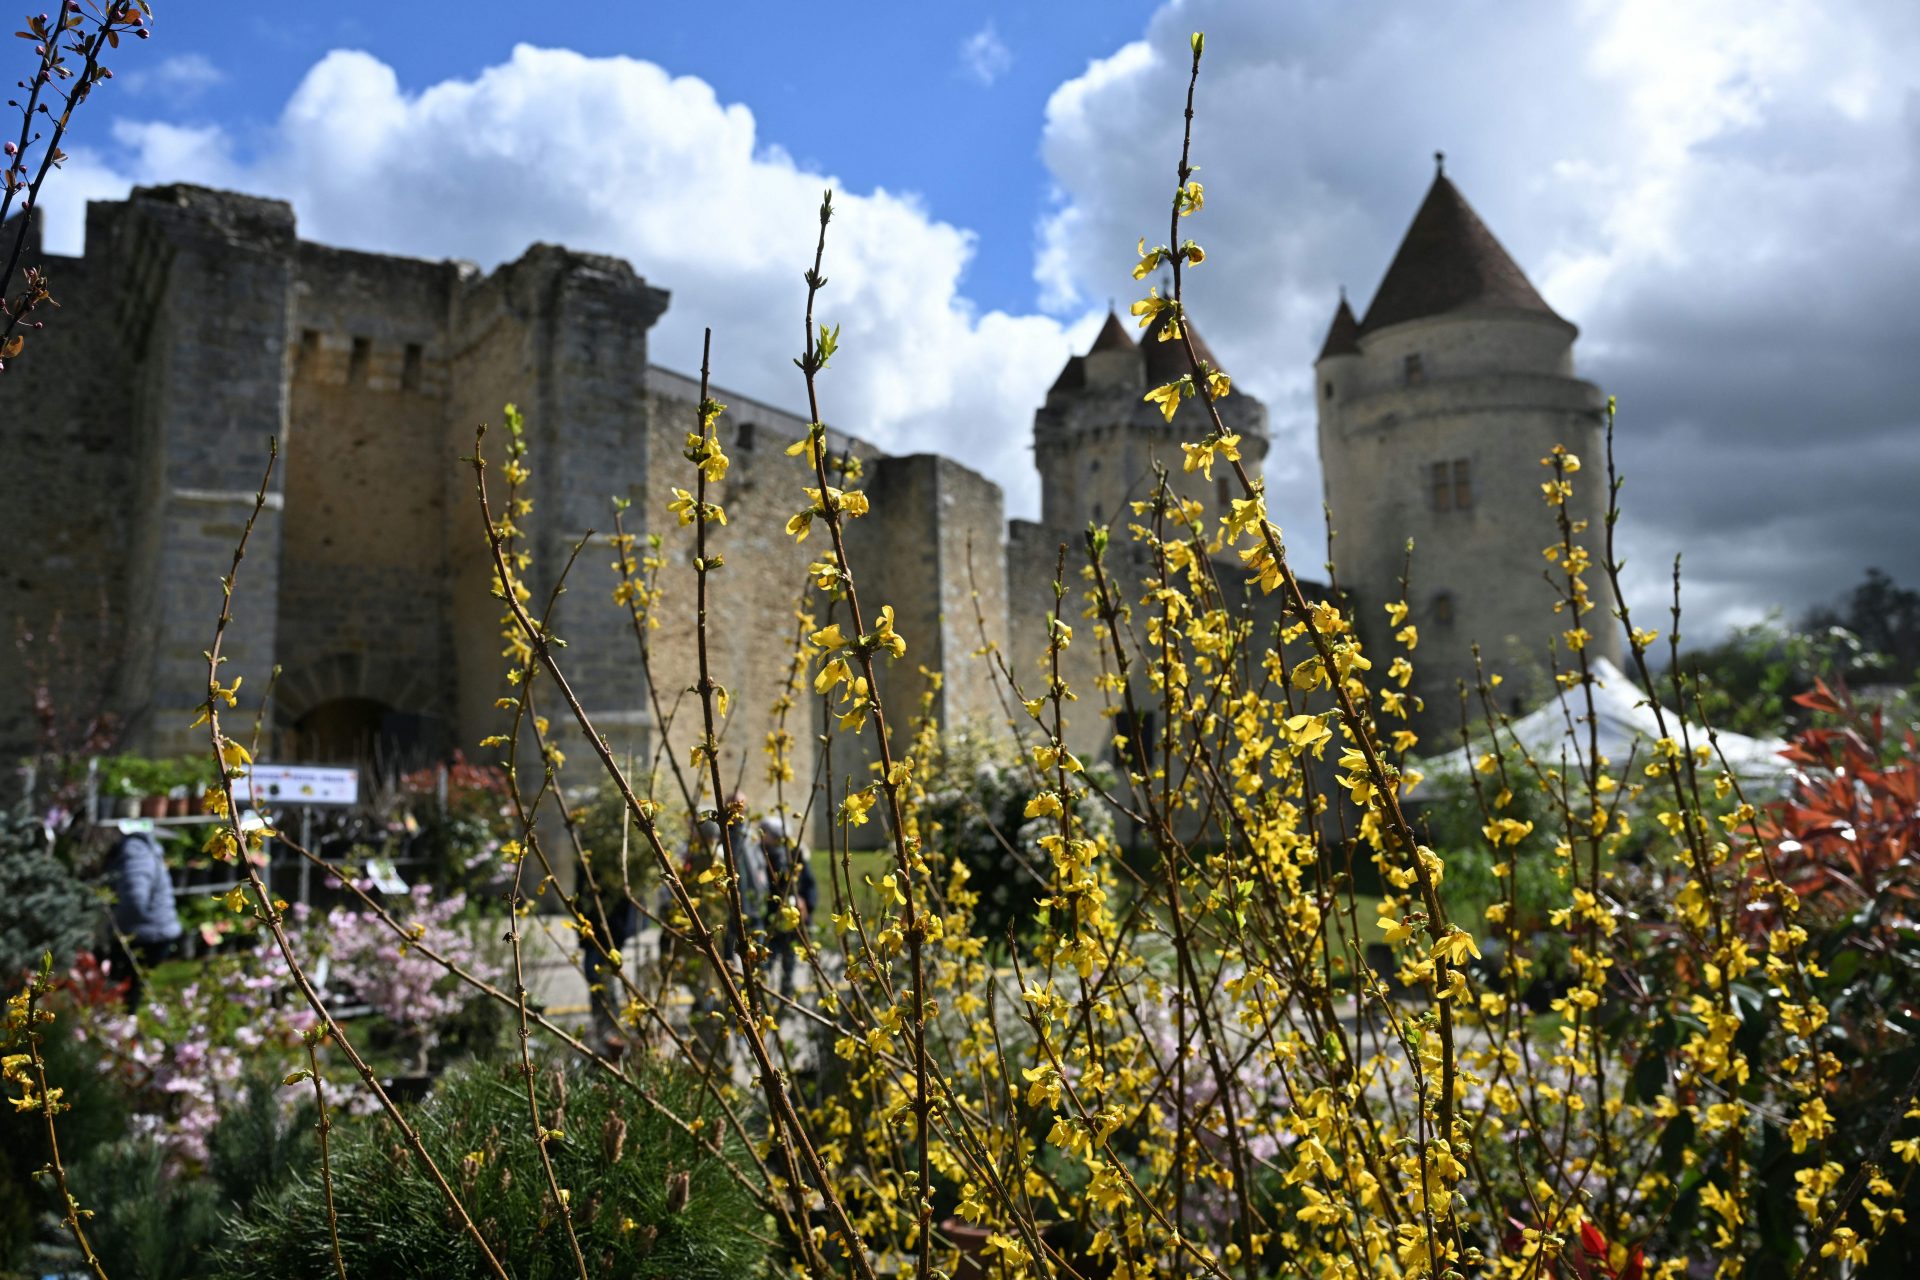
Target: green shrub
column 259, row 1141
column 976, row 795
column 148, row 1224
column 97, row 1115
column 43, row 905
column 1471, row 886
column 647, row 1199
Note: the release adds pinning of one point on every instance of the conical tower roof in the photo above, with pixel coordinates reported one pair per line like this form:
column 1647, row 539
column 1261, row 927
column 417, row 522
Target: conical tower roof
column 1168, row 360
column 1448, row 261
column 1113, row 335
column 1343, row 335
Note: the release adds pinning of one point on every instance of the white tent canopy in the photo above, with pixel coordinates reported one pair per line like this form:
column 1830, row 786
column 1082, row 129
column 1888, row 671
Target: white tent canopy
column 1558, row 732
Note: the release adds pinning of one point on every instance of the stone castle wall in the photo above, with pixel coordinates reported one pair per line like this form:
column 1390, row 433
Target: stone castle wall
column 1098, row 451
column 140, row 428
column 72, row 445
column 199, row 328
column 752, row 598
column 1495, row 393
column 369, row 379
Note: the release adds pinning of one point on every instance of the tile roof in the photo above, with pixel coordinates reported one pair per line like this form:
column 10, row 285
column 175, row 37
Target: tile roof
column 1168, row 360
column 1343, row 335
column 1113, row 335
column 1448, row 261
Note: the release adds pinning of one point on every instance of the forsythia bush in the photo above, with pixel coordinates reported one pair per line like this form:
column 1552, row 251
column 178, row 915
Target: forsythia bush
column 1196, row 1061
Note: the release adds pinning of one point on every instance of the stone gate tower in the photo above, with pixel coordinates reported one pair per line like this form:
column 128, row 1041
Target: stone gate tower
column 1096, row 442
column 1097, row 439
column 1434, row 413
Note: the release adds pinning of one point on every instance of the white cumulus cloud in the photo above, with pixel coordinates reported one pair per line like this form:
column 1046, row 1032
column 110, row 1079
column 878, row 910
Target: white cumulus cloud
column 1720, row 194
column 616, row 155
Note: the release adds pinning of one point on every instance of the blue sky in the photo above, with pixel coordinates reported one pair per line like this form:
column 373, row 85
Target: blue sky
column 1719, row 193
column 908, row 97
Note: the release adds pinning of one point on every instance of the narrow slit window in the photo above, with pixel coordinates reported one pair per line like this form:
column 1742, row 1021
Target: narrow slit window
column 1443, row 610
column 357, row 362
column 1462, row 484
column 743, row 439
column 1223, row 493
column 1441, row 486
column 1415, row 369
column 410, row 368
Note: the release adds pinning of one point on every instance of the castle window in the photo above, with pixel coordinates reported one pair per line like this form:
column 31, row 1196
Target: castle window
column 309, row 349
column 1442, row 610
column 410, row 369
column 743, row 438
column 1222, row 493
column 1450, row 485
column 357, row 362
column 1327, row 389
column 1415, row 371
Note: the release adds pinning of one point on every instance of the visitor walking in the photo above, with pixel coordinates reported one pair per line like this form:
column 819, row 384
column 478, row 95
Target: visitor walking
column 612, row 920
column 146, row 928
column 791, row 899
column 750, row 866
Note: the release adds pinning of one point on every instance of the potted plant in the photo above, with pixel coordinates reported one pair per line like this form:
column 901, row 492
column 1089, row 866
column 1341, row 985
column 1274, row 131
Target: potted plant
column 118, row 796
column 141, row 780
column 153, row 788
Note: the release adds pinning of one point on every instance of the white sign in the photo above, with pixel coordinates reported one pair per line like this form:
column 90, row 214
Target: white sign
column 262, row 785
column 385, row 877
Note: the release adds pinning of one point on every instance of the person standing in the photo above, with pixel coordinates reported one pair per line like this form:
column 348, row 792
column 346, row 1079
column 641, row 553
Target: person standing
column 750, row 866
column 706, row 851
column 611, row 921
column 146, row 927
column 791, row 899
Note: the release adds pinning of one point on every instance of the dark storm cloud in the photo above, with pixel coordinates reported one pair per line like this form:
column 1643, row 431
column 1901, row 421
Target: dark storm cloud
column 1721, row 196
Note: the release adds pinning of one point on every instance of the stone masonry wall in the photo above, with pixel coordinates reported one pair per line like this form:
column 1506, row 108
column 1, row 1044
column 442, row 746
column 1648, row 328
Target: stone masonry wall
column 586, row 410
column 219, row 395
column 752, row 598
column 1033, row 559
column 490, row 363
column 365, row 453
column 1497, row 394
column 71, row 446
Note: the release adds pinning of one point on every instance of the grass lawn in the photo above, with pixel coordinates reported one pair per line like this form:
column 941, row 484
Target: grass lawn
column 866, row 865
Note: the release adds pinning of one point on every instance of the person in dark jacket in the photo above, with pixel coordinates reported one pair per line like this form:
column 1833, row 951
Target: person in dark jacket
column 612, row 920
column 146, row 927
column 750, row 865
column 792, row 896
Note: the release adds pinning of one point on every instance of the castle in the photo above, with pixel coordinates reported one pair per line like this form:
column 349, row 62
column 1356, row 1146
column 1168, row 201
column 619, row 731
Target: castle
column 199, row 325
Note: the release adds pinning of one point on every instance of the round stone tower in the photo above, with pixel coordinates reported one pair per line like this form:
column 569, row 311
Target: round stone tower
column 1434, row 413
column 1096, row 439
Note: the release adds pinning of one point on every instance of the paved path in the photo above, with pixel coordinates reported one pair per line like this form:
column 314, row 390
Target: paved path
column 550, row 956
